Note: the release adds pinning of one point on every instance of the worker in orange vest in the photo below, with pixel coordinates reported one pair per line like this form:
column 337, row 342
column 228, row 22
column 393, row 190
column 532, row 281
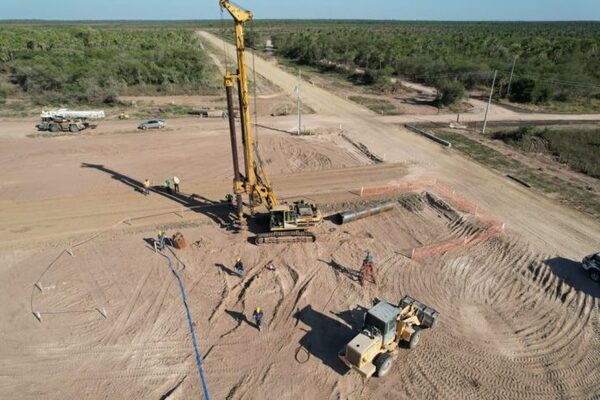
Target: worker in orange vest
column 367, row 271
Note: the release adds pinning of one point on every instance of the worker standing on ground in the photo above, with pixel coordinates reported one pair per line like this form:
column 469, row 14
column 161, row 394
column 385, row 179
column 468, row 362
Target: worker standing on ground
column 176, row 184
column 258, row 317
column 367, row 271
column 146, row 187
column 239, row 266
column 161, row 240
column 168, row 185
column 229, row 200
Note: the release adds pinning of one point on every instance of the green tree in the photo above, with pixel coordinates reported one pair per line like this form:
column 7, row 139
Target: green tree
column 449, row 93
column 526, row 90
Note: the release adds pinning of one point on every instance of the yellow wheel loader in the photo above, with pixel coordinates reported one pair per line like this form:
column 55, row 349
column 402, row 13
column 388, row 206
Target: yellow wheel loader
column 386, row 327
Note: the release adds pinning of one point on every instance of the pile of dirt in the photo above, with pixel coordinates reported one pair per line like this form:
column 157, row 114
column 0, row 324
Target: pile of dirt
column 441, row 206
column 412, row 202
column 308, row 153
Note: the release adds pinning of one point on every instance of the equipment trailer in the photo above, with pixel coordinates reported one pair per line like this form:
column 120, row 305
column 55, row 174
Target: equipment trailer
column 68, row 121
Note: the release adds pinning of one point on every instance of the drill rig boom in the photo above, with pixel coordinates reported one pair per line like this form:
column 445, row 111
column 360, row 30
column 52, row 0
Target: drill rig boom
column 255, row 183
column 286, row 221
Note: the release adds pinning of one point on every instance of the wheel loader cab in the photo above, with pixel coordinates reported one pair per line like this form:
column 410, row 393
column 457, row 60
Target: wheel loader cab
column 383, row 317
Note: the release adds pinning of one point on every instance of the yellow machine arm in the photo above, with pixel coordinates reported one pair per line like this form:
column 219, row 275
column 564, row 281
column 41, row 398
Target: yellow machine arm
column 255, row 183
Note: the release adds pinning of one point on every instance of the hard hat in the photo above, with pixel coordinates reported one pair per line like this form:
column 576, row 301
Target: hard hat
column 258, row 309
column 238, row 259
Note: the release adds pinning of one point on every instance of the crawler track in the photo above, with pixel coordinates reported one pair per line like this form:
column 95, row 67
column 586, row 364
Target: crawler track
column 285, row 237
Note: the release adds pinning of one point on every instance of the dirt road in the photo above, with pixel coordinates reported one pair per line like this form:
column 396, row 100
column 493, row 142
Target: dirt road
column 558, row 229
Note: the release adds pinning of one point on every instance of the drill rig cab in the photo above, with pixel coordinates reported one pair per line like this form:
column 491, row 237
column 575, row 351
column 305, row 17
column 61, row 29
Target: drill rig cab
column 373, row 350
column 288, row 222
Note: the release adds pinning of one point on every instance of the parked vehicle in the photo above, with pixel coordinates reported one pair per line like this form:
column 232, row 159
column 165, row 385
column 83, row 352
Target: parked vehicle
column 591, row 264
column 68, row 121
column 208, row 113
column 152, row 124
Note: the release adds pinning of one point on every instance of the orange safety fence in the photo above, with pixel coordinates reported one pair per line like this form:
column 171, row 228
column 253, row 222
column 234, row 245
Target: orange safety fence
column 494, row 226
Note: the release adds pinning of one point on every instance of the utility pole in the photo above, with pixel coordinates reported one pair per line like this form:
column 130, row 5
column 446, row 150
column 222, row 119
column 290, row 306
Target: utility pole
column 489, row 102
column 512, row 72
column 299, row 102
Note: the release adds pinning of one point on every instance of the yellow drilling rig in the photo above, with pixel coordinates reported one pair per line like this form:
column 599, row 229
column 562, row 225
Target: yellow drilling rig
column 287, row 222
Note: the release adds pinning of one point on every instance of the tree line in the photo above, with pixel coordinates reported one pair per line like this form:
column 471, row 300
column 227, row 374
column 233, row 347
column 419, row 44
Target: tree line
column 554, row 61
column 85, row 65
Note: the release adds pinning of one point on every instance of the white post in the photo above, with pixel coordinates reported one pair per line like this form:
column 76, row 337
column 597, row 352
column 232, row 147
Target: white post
column 299, row 102
column 512, row 71
column 489, row 102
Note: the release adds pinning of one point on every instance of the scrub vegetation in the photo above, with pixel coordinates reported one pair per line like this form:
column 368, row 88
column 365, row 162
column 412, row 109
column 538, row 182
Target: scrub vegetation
column 556, row 63
column 72, row 65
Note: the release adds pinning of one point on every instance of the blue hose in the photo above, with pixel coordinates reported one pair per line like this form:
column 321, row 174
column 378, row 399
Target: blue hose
column 191, row 327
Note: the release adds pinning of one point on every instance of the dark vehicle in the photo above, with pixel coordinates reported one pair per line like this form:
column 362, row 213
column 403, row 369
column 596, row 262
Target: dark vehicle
column 152, row 124
column 591, row 264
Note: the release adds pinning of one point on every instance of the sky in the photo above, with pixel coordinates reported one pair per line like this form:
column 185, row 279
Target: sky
column 460, row 10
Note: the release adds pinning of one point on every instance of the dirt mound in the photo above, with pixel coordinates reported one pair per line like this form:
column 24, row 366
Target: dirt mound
column 412, row 202
column 289, row 153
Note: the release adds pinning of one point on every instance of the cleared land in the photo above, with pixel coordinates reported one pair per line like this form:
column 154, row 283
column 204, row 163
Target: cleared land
column 519, row 318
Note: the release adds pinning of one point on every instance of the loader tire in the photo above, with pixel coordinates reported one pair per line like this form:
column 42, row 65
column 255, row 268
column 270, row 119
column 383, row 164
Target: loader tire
column 594, row 275
column 54, row 128
column 73, row 128
column 383, row 364
column 414, row 339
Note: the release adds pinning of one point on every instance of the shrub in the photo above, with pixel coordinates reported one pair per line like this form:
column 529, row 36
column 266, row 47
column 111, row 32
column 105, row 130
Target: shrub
column 72, row 65
column 450, row 92
column 526, row 90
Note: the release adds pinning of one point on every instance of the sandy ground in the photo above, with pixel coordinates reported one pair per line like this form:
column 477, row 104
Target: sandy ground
column 519, row 319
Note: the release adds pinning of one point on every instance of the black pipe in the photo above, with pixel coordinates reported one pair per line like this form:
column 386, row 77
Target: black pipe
column 242, row 113
column 247, row 165
column 360, row 213
column 234, row 146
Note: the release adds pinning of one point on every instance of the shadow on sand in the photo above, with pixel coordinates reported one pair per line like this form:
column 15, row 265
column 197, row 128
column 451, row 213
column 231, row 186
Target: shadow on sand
column 226, row 270
column 218, row 211
column 326, row 336
column 573, row 274
column 352, row 274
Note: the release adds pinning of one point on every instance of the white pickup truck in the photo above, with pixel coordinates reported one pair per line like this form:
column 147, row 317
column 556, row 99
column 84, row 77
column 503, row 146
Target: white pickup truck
column 591, row 264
